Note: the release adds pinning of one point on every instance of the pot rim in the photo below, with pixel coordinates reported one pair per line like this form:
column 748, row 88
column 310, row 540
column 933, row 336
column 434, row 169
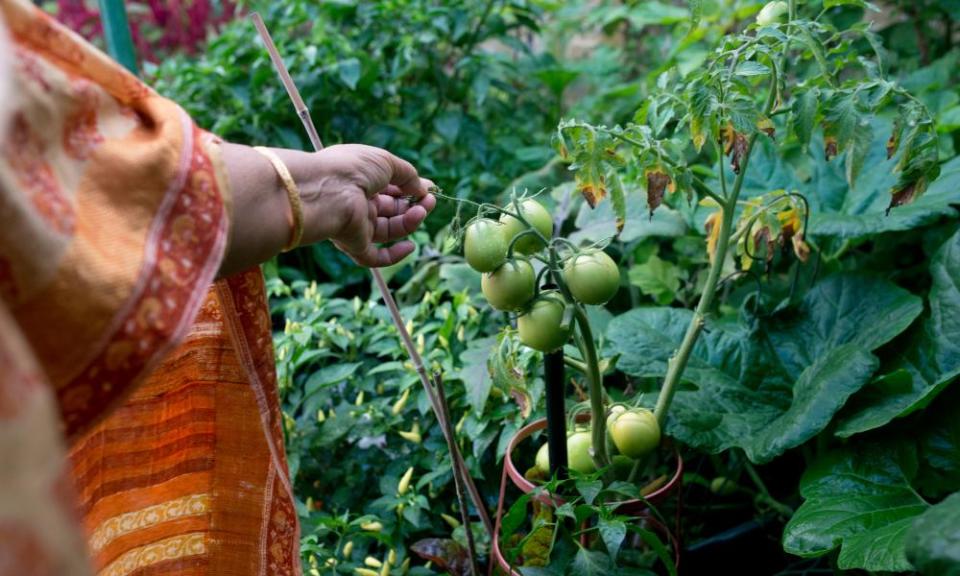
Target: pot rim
column 527, row 487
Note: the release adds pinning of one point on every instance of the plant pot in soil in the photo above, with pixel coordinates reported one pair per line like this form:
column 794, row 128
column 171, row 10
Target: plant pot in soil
column 634, row 507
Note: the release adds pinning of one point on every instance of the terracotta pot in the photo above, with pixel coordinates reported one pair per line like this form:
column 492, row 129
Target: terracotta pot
column 634, row 507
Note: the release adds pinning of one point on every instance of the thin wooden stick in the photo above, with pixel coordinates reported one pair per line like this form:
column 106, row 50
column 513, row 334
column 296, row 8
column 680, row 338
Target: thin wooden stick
column 437, row 402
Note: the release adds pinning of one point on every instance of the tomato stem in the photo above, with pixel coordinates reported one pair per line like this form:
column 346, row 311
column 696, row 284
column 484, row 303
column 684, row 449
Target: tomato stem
column 598, row 416
column 678, row 362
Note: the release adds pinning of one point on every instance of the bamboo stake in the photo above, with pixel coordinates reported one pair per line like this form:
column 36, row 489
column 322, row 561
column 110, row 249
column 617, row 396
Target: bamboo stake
column 437, row 401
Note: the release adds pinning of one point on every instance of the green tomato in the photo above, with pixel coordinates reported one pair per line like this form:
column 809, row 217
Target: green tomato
column 723, row 486
column 484, row 245
column 635, row 432
column 615, row 411
column 537, row 216
column 543, row 458
column 593, row 277
column 510, row 286
column 541, row 327
column 772, row 12
column 578, row 452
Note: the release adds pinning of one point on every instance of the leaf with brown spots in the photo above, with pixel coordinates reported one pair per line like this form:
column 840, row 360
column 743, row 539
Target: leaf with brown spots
column 830, row 148
column 800, row 247
column 765, row 125
column 907, row 194
column 739, row 152
column 446, row 554
column 657, row 182
column 712, row 227
column 892, row 143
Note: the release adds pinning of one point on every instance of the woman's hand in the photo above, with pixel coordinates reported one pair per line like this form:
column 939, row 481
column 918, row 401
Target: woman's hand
column 356, row 196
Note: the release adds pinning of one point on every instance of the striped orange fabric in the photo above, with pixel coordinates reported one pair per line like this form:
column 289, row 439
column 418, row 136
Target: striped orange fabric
column 136, row 395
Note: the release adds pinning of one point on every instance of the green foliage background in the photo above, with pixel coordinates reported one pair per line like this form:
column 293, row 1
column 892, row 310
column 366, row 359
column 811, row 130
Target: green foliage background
column 842, row 364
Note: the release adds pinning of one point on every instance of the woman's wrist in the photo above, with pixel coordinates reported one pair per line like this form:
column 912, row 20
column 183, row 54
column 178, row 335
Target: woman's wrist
column 260, row 219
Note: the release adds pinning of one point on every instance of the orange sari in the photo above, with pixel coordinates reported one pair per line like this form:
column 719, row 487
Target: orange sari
column 140, row 432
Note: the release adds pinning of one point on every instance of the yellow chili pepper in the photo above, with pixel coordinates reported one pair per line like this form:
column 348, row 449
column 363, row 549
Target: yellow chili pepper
column 404, row 483
column 401, row 402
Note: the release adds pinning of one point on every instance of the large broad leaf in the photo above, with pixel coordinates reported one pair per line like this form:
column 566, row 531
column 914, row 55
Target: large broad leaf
column 929, row 359
column 933, row 544
column 860, row 499
column 867, row 497
column 938, row 445
column 842, row 309
column 762, row 399
column 840, row 210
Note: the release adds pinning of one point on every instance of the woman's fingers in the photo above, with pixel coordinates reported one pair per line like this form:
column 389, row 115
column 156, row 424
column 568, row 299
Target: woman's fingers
column 395, row 227
column 405, row 177
column 378, row 256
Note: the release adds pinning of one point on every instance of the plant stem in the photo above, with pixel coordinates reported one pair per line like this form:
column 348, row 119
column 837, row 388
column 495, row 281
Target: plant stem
column 598, row 427
column 678, row 362
column 764, row 495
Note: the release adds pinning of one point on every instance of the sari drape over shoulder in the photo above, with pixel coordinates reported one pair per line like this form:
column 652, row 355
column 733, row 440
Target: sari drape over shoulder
column 140, row 431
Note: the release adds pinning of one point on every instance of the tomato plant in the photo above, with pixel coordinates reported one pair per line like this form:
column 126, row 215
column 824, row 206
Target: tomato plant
column 776, row 191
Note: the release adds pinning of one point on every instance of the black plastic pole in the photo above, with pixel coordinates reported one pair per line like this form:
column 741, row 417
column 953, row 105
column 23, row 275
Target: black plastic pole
column 554, row 378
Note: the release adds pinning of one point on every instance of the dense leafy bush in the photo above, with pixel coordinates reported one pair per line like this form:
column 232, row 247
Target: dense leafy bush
column 815, row 409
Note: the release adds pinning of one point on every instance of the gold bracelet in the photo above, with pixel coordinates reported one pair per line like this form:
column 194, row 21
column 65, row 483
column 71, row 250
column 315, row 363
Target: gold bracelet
column 293, row 195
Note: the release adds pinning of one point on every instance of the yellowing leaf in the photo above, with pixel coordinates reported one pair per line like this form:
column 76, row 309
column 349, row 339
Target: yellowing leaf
column 712, row 227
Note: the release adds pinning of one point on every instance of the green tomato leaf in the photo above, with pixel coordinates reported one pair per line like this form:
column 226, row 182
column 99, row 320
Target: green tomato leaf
column 656, row 278
column 696, row 12
column 818, row 394
column 929, row 359
column 938, row 446
column 861, row 500
column 805, row 114
column 601, row 222
column 933, row 543
column 840, row 210
column 515, row 517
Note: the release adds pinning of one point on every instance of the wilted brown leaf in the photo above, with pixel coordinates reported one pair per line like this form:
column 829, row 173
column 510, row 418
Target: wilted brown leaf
column 765, row 125
column 657, row 183
column 712, row 227
column 829, row 148
column 892, row 144
column 907, row 194
column 446, row 554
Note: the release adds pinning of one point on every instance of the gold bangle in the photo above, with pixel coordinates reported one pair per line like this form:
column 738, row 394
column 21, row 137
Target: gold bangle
column 293, row 195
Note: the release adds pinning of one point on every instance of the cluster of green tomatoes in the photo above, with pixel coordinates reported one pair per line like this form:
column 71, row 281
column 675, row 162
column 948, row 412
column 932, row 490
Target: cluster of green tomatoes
column 503, row 251
column 635, row 433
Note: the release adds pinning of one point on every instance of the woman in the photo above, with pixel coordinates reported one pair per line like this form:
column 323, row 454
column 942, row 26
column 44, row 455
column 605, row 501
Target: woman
column 139, row 424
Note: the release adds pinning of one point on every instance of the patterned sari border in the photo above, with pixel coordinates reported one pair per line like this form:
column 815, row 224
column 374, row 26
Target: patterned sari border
column 174, row 286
